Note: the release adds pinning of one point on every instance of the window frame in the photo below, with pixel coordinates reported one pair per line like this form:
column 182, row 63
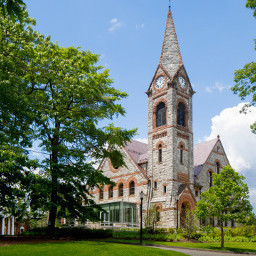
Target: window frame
column 121, row 189
column 131, row 188
column 181, row 114
column 101, row 193
column 161, row 114
column 110, row 191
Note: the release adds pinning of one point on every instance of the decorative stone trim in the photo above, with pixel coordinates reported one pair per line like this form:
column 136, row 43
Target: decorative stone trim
column 186, row 198
column 160, row 143
column 182, row 94
column 182, row 136
column 159, row 135
column 112, row 168
column 183, row 178
column 159, row 94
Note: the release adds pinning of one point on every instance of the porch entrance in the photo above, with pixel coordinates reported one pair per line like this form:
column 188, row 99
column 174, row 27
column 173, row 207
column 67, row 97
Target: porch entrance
column 186, row 206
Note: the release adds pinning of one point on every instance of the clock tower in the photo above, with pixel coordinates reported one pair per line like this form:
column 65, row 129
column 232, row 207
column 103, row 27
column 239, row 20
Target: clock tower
column 170, row 133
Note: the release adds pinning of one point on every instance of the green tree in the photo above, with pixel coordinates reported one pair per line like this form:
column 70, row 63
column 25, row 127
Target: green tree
column 245, row 78
column 16, row 117
column 60, row 96
column 152, row 217
column 12, row 8
column 227, row 200
column 190, row 223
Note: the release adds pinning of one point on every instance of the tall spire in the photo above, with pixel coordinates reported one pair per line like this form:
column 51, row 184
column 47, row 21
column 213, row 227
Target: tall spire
column 170, row 58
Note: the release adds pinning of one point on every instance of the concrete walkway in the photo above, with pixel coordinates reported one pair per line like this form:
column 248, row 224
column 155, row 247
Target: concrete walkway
column 198, row 252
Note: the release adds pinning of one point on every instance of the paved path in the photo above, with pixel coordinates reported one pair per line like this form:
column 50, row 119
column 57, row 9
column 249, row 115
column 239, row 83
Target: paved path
column 195, row 252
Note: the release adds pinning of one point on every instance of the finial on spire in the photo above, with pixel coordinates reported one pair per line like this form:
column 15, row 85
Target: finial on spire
column 169, row 4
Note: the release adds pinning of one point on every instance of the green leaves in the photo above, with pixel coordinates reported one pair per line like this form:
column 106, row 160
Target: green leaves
column 227, row 200
column 12, row 8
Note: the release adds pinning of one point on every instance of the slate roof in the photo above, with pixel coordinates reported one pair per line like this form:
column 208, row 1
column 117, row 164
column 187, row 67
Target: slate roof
column 138, row 152
column 201, row 153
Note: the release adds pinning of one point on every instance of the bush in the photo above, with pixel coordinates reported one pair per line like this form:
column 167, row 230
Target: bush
column 75, row 232
column 196, row 235
column 171, row 230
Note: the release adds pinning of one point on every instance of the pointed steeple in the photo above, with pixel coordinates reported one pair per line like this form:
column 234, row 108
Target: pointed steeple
column 170, row 58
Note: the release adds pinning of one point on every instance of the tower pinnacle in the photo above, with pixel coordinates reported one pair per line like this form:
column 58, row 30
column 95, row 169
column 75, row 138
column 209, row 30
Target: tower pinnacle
column 170, row 57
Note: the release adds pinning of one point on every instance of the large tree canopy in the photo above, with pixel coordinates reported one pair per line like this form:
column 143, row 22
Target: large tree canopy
column 57, row 96
column 227, row 200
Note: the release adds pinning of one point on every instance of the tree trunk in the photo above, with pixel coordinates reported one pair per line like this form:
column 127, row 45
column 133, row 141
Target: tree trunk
column 54, row 184
column 222, row 234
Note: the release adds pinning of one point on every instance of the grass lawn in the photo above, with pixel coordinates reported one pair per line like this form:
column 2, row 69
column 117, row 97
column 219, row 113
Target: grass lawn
column 91, row 248
column 229, row 246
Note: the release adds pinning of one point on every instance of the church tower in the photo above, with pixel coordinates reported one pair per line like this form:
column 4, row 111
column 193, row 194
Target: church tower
column 170, row 133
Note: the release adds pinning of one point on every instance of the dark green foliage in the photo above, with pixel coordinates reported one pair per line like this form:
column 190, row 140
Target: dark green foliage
column 12, row 8
column 134, row 235
column 74, row 232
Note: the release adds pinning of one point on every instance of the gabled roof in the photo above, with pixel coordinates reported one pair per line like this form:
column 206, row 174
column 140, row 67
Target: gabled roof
column 201, row 153
column 137, row 150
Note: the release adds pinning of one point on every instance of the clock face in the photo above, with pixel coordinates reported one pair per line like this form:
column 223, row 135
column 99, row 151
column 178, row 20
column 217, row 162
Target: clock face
column 182, row 82
column 160, row 81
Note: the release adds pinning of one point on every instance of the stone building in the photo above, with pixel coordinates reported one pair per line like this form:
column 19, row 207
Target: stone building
column 169, row 169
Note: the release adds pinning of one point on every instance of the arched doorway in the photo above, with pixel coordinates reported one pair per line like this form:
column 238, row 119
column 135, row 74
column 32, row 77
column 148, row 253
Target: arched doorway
column 185, row 207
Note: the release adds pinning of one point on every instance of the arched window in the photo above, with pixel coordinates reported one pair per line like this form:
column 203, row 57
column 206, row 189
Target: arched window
column 131, row 188
column 181, row 154
column 181, row 115
column 110, row 192
column 210, row 179
column 160, row 114
column 101, row 193
column 160, row 152
column 121, row 189
column 217, row 167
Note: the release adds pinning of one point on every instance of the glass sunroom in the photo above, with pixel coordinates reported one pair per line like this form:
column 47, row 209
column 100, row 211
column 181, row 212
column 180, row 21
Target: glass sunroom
column 119, row 213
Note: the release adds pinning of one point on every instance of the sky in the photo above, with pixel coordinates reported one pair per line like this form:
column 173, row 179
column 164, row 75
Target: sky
column 215, row 37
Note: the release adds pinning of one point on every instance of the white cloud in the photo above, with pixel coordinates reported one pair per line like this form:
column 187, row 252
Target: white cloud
column 141, row 26
column 235, row 133
column 218, row 86
column 208, row 89
column 115, row 24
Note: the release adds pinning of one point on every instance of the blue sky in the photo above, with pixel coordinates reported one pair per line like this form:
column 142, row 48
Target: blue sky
column 215, row 37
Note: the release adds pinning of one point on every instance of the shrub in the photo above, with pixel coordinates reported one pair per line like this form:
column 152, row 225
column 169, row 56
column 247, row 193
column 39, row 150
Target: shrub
column 171, row 230
column 75, row 232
